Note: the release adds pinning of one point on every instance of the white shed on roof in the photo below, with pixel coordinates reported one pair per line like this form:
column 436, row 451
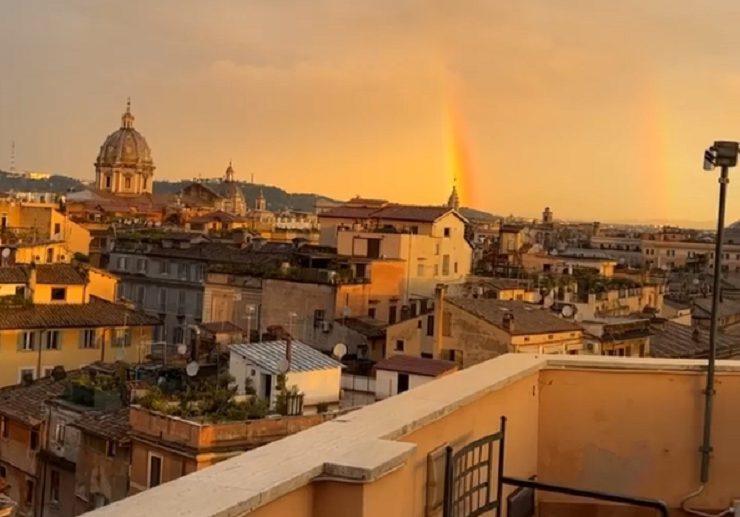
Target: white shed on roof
column 316, row 375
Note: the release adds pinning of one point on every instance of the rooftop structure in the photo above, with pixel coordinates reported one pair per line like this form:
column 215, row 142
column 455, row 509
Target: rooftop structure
column 585, row 422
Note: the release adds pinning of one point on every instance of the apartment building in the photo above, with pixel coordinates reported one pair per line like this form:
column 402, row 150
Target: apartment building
column 430, row 240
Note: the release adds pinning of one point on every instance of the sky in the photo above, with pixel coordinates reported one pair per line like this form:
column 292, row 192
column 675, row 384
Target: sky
column 600, row 110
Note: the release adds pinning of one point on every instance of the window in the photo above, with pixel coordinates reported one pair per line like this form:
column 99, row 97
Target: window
column 403, row 382
column 122, row 337
column 30, row 487
column 454, row 267
column 140, row 294
column 399, row 345
column 59, row 432
column 121, row 263
column 436, row 249
column 48, row 370
column 448, row 231
column 155, row 470
column 178, row 335
column 420, row 269
column 181, row 296
column 51, row 340
column 162, row 298
column 127, row 182
column 318, row 318
column 58, row 294
column 427, row 355
column 445, row 265
column 182, row 271
column 107, row 181
column 430, row 325
column 28, row 341
column 391, row 315
column 34, row 439
column 436, row 269
column 199, row 303
column 88, row 338
column 163, row 267
column 57, row 228
column 110, row 448
column 141, row 265
column 144, row 182
column 26, row 374
column 3, row 429
column 198, row 272
column 371, row 312
column 54, row 486
column 3, row 472
column 419, row 323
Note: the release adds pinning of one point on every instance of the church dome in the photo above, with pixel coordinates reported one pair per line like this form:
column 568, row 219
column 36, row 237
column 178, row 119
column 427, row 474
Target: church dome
column 125, row 147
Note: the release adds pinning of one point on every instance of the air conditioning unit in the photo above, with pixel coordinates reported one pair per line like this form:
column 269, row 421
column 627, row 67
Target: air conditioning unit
column 326, row 326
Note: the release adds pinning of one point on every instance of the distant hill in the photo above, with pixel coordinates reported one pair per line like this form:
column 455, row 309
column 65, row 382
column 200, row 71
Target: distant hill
column 277, row 198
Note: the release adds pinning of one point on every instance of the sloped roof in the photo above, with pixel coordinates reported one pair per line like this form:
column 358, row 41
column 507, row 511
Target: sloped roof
column 45, row 274
column 411, row 213
column 269, row 354
column 365, row 325
column 97, row 313
column 111, row 425
column 27, row 403
column 219, row 327
column 416, row 365
column 673, row 340
column 528, row 319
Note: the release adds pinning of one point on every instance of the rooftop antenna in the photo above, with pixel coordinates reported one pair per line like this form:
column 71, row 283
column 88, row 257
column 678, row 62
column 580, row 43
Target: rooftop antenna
column 252, row 178
column 12, row 156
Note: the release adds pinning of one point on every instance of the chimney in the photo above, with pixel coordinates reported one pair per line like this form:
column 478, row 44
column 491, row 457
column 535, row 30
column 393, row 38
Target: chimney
column 288, row 350
column 508, row 322
column 32, row 278
column 439, row 298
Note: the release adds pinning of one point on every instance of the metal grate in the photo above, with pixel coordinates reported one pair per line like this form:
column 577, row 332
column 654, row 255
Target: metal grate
column 472, row 478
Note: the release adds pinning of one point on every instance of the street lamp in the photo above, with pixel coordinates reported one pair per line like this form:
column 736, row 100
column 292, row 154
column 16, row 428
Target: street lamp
column 724, row 155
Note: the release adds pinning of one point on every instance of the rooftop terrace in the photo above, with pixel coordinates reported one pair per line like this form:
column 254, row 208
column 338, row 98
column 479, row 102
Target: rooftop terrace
column 624, row 425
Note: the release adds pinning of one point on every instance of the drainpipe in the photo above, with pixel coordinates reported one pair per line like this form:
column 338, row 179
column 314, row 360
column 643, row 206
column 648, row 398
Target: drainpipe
column 439, row 297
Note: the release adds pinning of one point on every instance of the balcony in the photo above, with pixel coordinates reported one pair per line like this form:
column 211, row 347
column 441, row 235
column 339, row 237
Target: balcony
column 620, row 425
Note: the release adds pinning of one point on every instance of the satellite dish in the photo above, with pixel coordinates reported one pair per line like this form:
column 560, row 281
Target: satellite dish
column 548, row 301
column 6, row 252
column 567, row 311
column 283, row 366
column 339, row 350
column 192, row 368
column 537, row 298
column 182, row 349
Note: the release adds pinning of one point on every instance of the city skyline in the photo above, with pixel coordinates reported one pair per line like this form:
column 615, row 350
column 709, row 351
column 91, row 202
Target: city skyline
column 518, row 103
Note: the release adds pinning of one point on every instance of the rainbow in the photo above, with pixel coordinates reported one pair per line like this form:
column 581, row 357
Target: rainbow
column 457, row 148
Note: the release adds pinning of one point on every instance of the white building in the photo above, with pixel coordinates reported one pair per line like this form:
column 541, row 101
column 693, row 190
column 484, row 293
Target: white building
column 401, row 373
column 317, row 376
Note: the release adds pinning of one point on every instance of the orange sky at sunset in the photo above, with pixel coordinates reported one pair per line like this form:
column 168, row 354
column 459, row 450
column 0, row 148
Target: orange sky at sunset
column 600, row 110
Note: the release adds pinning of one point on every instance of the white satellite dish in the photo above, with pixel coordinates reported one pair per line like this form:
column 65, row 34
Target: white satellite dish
column 182, row 349
column 567, row 311
column 6, row 252
column 548, row 301
column 283, row 366
column 192, row 368
column 339, row 350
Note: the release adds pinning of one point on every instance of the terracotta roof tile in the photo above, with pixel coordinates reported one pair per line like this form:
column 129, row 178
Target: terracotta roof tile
column 97, row 313
column 27, row 402
column 416, row 365
column 111, row 425
column 528, row 319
